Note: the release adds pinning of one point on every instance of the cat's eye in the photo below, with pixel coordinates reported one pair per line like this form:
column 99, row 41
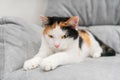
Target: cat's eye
column 64, row 36
column 50, row 36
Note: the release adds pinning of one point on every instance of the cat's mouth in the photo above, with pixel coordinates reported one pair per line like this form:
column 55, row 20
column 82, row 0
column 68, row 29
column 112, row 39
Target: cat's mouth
column 57, row 48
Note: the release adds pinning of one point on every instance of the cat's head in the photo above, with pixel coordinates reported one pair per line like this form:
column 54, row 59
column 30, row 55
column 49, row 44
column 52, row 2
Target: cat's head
column 60, row 32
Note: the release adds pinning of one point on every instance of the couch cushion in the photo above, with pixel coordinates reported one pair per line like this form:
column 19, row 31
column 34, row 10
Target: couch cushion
column 103, row 68
column 18, row 41
column 1, row 51
column 91, row 12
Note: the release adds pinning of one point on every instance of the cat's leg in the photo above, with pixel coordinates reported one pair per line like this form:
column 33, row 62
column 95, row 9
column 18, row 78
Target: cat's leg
column 35, row 61
column 60, row 58
column 96, row 50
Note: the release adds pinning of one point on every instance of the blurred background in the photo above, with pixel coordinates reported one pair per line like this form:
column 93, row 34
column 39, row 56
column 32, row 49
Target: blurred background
column 28, row 10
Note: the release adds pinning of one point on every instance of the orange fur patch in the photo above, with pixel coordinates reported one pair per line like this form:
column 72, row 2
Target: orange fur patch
column 48, row 28
column 85, row 36
column 64, row 24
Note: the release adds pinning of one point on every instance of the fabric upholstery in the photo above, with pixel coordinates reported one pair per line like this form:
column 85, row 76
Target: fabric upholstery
column 91, row 12
column 18, row 41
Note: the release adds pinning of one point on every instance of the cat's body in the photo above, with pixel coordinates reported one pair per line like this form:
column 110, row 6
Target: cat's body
column 63, row 43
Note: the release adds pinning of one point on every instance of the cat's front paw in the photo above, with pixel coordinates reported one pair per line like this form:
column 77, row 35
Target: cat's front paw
column 31, row 64
column 48, row 65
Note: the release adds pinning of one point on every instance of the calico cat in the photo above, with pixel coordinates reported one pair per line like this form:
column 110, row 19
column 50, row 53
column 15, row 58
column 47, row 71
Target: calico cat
column 63, row 43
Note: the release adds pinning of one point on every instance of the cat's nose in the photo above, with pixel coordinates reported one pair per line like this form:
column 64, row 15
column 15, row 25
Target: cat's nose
column 57, row 45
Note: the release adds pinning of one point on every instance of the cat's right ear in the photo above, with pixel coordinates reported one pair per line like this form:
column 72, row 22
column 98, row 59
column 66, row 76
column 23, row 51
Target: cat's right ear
column 44, row 20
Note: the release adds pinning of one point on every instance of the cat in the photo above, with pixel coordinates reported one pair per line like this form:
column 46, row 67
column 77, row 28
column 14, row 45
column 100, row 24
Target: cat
column 63, row 43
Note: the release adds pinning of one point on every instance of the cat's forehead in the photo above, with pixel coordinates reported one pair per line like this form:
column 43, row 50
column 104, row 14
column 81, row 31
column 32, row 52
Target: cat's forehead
column 55, row 24
column 55, row 29
column 54, row 19
column 58, row 30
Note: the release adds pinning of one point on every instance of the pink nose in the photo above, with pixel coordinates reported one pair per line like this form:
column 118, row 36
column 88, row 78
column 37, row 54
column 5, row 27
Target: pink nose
column 57, row 45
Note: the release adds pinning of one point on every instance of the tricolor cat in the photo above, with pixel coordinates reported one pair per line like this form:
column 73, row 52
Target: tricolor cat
column 63, row 43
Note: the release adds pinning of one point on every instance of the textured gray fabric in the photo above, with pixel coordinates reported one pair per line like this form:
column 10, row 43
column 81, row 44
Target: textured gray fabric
column 91, row 12
column 18, row 42
column 105, row 68
column 1, row 51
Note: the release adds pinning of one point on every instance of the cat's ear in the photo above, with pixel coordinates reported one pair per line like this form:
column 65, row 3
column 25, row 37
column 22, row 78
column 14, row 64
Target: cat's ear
column 73, row 21
column 44, row 20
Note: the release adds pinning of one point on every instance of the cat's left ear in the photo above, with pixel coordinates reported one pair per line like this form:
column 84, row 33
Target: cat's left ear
column 73, row 21
column 44, row 20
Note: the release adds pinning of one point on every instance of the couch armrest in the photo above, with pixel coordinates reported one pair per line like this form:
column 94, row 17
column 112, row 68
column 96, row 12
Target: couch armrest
column 1, row 51
column 21, row 41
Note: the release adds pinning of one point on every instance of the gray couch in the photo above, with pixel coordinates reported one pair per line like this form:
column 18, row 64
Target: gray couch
column 20, row 41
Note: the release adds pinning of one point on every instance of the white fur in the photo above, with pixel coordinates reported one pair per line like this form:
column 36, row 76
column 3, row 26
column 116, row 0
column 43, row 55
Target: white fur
column 95, row 50
column 69, row 52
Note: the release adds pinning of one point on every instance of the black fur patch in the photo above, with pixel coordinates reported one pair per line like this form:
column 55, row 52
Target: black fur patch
column 72, row 33
column 80, row 42
column 107, row 51
column 56, row 19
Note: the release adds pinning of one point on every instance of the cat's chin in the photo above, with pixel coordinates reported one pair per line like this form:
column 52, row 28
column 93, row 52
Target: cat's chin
column 58, row 49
